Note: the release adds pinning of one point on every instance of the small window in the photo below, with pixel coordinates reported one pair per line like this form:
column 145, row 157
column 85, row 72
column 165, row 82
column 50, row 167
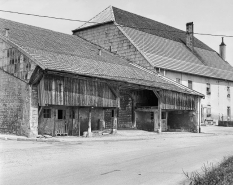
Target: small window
column 228, row 92
column 190, row 84
column 163, row 115
column 47, row 113
column 157, row 69
column 61, row 114
column 208, row 91
column 178, row 80
column 228, row 113
column 152, row 115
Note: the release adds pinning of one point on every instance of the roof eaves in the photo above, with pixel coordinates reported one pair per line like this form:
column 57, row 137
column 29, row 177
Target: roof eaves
column 92, row 26
column 170, row 81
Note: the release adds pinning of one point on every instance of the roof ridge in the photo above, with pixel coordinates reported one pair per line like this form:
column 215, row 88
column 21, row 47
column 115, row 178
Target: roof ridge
column 149, row 19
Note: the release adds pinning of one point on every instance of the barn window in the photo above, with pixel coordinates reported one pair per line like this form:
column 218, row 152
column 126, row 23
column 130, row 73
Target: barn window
column 152, row 115
column 47, row 113
column 61, row 114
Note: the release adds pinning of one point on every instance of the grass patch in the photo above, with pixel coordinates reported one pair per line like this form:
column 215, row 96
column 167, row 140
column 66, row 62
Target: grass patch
column 221, row 174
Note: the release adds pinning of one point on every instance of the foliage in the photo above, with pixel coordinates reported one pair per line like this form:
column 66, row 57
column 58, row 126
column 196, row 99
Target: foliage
column 222, row 174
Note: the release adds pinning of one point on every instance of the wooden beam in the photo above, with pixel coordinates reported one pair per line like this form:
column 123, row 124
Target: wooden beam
column 116, row 94
column 89, row 133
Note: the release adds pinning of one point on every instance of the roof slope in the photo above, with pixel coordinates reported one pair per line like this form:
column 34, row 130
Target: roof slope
column 144, row 24
column 164, row 46
column 62, row 52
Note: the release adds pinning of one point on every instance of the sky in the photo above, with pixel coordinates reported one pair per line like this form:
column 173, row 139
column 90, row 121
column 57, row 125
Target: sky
column 208, row 16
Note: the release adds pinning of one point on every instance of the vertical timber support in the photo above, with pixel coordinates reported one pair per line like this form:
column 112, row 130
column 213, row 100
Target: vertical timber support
column 134, row 124
column 54, row 122
column 89, row 133
column 159, row 115
column 115, row 111
column 199, row 115
column 114, row 120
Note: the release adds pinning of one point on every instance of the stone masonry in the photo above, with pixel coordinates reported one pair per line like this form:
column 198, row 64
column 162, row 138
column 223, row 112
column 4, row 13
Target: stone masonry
column 111, row 38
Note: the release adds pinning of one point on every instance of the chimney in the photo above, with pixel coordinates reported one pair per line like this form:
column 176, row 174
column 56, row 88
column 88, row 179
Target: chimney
column 7, row 32
column 222, row 50
column 189, row 35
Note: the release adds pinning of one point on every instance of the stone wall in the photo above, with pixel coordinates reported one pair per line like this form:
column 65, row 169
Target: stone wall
column 14, row 105
column 111, row 38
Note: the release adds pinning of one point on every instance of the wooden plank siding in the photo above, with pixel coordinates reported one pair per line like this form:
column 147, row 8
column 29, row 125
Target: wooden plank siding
column 177, row 101
column 59, row 90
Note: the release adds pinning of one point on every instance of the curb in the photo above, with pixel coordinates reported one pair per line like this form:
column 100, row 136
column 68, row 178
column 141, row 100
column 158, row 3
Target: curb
column 29, row 139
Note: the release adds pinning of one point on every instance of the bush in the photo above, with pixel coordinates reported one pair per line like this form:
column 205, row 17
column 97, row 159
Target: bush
column 222, row 174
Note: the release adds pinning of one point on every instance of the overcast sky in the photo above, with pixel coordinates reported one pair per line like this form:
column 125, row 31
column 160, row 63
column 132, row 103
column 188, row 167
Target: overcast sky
column 209, row 16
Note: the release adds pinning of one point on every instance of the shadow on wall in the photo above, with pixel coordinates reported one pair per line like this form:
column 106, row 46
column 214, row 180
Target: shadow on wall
column 184, row 120
column 145, row 121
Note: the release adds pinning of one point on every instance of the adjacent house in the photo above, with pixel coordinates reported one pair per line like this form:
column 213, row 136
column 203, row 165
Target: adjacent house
column 59, row 84
column 171, row 52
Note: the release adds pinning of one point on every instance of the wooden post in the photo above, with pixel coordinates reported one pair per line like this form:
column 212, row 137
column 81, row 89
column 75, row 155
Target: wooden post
column 159, row 116
column 159, row 111
column 78, row 123
column 54, row 122
column 199, row 115
column 156, row 121
column 89, row 133
column 134, row 114
column 114, row 121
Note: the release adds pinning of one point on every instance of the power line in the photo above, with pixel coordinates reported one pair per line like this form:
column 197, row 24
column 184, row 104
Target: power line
column 77, row 20
column 45, row 16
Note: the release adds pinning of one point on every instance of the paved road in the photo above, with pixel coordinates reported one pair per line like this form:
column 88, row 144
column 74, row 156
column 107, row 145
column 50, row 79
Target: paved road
column 160, row 160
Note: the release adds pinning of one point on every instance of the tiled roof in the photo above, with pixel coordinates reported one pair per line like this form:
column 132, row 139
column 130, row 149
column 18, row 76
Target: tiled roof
column 104, row 16
column 144, row 24
column 68, row 53
column 167, row 54
column 164, row 46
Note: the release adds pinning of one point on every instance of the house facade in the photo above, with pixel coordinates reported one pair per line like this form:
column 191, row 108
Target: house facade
column 171, row 52
column 59, row 84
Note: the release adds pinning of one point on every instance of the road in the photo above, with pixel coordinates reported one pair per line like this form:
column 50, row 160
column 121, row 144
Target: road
column 159, row 160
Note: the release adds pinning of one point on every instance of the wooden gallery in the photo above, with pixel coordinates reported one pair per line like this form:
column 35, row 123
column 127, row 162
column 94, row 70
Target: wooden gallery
column 59, row 84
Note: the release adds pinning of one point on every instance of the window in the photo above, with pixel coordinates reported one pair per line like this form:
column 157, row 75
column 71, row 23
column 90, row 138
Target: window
column 61, row 114
column 178, row 80
column 163, row 116
column 228, row 92
column 152, row 115
column 190, row 84
column 208, row 92
column 47, row 113
column 157, row 70
column 228, row 113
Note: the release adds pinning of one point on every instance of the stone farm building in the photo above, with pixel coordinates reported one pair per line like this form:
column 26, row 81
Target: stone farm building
column 173, row 53
column 59, row 84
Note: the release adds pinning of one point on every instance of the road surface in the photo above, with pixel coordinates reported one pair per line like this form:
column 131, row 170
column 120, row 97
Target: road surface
column 159, row 160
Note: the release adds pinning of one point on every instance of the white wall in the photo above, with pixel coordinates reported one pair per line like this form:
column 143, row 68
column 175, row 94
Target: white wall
column 218, row 99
